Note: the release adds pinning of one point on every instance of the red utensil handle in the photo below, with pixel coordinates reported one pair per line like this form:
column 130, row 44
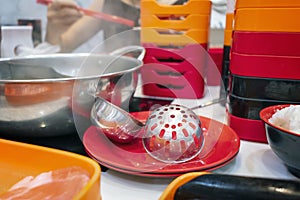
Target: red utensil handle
column 100, row 15
column 107, row 17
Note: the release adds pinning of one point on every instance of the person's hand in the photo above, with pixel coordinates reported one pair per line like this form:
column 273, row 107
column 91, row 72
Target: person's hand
column 61, row 15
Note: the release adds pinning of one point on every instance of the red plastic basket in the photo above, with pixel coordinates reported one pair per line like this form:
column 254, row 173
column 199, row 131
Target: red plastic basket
column 285, row 67
column 174, row 73
column 213, row 74
column 266, row 43
column 161, row 81
column 248, row 129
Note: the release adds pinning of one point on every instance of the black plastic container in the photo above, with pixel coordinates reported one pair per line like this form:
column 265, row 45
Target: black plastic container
column 250, row 107
column 225, row 72
column 265, row 88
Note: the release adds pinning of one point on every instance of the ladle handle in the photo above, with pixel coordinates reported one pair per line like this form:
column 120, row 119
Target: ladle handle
column 214, row 101
column 127, row 49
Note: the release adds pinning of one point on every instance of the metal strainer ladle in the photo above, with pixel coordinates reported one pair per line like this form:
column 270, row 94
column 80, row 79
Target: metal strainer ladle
column 171, row 134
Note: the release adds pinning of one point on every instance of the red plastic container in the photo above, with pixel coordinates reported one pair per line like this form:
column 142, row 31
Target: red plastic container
column 264, row 66
column 194, row 53
column 175, row 73
column 213, row 74
column 160, row 83
column 248, row 129
column 266, row 43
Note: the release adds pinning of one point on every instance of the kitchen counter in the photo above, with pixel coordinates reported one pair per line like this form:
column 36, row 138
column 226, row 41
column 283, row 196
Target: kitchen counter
column 254, row 159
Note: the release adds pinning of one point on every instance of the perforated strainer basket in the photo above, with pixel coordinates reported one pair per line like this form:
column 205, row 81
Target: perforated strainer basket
column 173, row 134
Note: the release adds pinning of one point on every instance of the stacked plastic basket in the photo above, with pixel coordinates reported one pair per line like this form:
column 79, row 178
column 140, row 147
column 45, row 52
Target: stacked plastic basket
column 176, row 39
column 264, row 63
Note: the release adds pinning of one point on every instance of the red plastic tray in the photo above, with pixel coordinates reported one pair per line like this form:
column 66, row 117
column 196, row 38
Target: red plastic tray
column 285, row 67
column 213, row 74
column 248, row 129
column 174, row 72
column 266, row 43
column 164, row 81
column 181, row 58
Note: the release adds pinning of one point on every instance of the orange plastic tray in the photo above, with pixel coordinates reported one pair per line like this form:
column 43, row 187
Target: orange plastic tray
column 19, row 160
column 266, row 3
column 166, row 37
column 228, row 29
column 267, row 19
column 149, row 7
column 185, row 23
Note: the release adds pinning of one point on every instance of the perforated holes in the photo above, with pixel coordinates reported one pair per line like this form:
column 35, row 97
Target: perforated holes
column 185, row 132
column 153, row 127
column 192, row 125
column 152, row 116
column 162, row 133
column 174, row 135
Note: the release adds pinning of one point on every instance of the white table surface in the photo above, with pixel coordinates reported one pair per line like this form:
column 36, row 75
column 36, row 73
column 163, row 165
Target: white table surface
column 254, row 159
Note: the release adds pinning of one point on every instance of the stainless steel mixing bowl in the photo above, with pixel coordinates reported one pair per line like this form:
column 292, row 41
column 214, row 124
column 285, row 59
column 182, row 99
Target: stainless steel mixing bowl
column 38, row 93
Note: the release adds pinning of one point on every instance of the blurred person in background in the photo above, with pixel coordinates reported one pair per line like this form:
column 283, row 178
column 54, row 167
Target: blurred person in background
column 14, row 10
column 69, row 28
column 68, row 31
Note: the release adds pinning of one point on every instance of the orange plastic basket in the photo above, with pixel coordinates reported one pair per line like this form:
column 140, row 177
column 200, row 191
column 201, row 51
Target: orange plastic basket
column 228, row 29
column 19, row 160
column 152, row 7
column 177, row 23
column 267, row 19
column 163, row 37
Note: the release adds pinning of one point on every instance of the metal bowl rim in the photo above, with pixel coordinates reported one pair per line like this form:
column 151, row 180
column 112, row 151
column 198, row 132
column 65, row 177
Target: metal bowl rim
column 70, row 55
